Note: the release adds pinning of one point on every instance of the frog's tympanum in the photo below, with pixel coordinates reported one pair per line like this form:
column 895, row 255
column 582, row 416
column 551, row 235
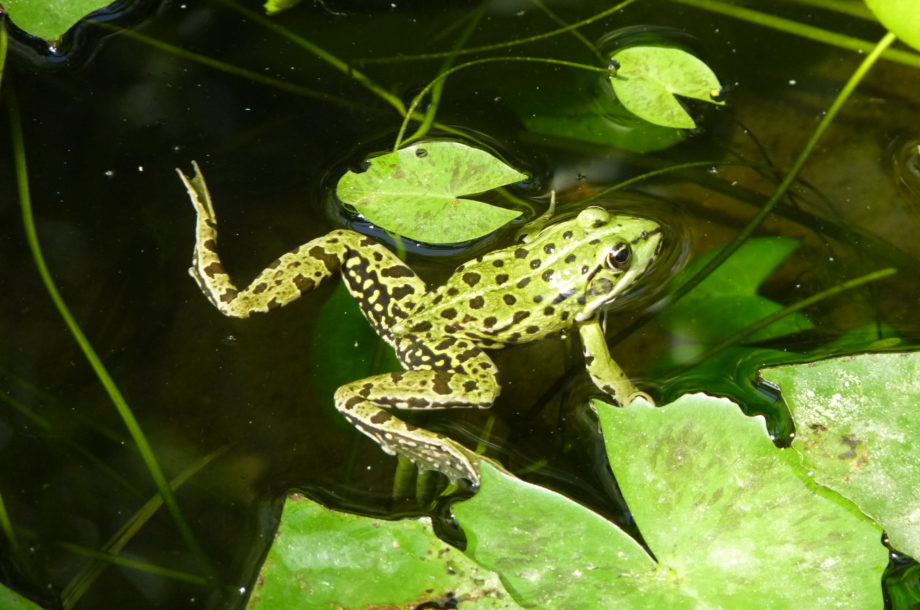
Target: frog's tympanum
column 557, row 278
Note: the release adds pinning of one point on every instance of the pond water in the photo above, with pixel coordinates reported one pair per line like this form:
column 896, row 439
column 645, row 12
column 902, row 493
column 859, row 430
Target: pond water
column 107, row 121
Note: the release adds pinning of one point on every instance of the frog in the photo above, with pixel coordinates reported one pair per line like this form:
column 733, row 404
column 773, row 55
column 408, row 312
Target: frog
column 556, row 278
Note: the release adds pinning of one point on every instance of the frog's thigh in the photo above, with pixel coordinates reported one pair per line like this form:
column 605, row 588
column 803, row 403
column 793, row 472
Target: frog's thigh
column 362, row 403
column 605, row 373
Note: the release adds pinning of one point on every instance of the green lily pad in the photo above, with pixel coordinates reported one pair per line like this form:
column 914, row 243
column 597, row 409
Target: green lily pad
column 345, row 348
column 858, row 429
column 49, row 19
column 327, row 559
column 10, row 600
column 728, row 516
column 648, row 78
column 732, row 517
column 273, row 7
column 550, row 551
column 418, row 192
column 901, row 17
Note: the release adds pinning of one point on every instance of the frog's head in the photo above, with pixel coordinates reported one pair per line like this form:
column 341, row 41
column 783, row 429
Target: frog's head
column 626, row 248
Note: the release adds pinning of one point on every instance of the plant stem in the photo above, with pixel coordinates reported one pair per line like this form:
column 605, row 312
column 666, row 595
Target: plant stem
column 501, row 45
column 800, row 29
column 786, row 311
column 121, row 405
column 421, row 94
column 781, row 190
column 323, row 54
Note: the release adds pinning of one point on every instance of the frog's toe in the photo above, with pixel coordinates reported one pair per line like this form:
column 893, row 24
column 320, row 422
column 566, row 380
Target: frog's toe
column 447, row 457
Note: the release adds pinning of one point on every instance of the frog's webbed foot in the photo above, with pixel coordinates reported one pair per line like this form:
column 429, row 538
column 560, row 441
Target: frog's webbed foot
column 364, row 404
column 426, row 449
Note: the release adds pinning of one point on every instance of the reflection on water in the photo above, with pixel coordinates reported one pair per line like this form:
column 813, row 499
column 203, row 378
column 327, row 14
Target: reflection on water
column 103, row 141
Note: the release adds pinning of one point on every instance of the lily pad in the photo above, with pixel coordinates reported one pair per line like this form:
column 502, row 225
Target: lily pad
column 647, row 79
column 418, row 192
column 901, row 17
column 858, row 430
column 327, row 559
column 728, row 517
column 733, row 518
column 50, row 19
column 10, row 600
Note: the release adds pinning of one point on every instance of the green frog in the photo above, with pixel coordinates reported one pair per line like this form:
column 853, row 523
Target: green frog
column 558, row 277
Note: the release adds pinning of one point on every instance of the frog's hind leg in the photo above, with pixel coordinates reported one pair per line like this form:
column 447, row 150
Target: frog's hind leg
column 466, row 383
column 282, row 281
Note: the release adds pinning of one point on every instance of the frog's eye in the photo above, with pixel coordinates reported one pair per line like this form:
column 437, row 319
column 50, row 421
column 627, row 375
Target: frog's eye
column 619, row 256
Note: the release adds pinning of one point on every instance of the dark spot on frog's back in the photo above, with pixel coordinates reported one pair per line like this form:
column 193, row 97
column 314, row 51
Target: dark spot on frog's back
column 421, row 327
column 523, row 282
column 477, row 302
column 471, row 278
column 519, row 316
column 549, row 248
column 501, row 278
column 520, row 253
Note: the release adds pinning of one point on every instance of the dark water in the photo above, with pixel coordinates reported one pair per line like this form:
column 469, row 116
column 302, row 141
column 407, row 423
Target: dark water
column 107, row 122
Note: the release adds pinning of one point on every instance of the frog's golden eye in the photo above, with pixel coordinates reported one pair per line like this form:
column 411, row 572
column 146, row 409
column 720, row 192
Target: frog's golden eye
column 619, row 256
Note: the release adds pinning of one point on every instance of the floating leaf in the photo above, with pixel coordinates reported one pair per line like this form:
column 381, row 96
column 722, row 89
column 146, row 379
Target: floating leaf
column 49, row 19
column 648, row 78
column 276, row 6
column 417, row 192
column 728, row 516
column 345, row 349
column 857, row 427
column 10, row 600
column 901, row 17
column 327, row 559
column 733, row 518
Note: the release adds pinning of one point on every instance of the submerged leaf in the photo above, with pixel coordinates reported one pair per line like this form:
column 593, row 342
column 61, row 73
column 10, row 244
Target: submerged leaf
column 418, row 192
column 858, row 430
column 647, row 79
column 726, row 301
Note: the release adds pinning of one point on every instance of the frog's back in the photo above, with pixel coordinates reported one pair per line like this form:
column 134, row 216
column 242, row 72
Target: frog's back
column 514, row 295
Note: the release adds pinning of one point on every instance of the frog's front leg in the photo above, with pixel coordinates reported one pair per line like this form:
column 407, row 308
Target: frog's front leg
column 468, row 382
column 605, row 372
